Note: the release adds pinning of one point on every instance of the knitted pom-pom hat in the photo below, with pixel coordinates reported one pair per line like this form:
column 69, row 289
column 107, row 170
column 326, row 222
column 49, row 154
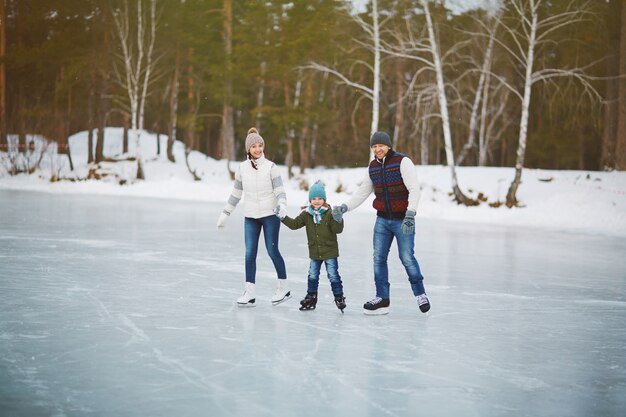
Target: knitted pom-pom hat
column 317, row 190
column 252, row 138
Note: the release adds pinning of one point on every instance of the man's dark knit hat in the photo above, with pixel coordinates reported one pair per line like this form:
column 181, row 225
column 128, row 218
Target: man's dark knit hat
column 380, row 138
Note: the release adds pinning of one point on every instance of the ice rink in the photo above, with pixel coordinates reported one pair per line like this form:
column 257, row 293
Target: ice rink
column 124, row 307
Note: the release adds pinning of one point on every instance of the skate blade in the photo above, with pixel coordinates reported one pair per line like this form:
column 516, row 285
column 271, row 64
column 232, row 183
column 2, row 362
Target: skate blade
column 306, row 309
column 285, row 298
column 379, row 312
column 246, row 305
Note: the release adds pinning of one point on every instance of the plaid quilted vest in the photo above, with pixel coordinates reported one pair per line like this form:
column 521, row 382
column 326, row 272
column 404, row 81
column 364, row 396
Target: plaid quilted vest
column 392, row 196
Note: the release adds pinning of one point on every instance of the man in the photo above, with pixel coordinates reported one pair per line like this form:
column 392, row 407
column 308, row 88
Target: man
column 393, row 179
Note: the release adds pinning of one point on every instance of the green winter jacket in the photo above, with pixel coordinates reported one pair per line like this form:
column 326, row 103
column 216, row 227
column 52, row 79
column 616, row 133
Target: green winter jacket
column 322, row 238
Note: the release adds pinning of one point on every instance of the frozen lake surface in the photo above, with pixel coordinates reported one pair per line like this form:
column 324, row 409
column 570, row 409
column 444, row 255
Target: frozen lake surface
column 115, row 306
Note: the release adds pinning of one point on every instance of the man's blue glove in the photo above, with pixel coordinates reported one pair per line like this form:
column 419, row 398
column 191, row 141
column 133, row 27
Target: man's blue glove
column 338, row 212
column 408, row 224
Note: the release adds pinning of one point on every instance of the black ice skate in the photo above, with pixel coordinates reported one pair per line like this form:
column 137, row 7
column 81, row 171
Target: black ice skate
column 377, row 306
column 423, row 302
column 340, row 301
column 309, row 301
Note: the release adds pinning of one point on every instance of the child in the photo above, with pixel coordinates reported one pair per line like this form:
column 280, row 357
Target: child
column 258, row 182
column 321, row 232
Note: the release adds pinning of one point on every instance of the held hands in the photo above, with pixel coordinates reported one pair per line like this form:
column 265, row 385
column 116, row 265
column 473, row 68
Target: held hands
column 338, row 212
column 408, row 224
column 280, row 211
column 222, row 221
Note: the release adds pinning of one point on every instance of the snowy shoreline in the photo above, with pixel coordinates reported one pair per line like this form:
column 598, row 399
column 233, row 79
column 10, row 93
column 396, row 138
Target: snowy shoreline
column 589, row 202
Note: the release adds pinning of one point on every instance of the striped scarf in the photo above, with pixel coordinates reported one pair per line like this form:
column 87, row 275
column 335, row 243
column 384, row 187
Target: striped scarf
column 317, row 213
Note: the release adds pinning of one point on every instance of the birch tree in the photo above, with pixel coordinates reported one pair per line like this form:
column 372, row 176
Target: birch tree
column 426, row 51
column 138, row 63
column 532, row 30
column 480, row 96
column 443, row 107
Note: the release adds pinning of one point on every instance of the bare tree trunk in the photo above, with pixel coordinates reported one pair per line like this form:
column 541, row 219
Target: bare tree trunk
column 190, row 131
column 313, row 146
column 102, row 119
column 90, row 115
column 422, row 123
column 483, row 142
column 304, row 133
column 102, row 111
column 3, row 85
column 90, row 143
column 21, row 119
column 173, row 119
column 126, row 122
column 611, row 98
column 376, row 86
column 398, row 130
column 424, row 143
column 61, row 118
column 67, row 129
column 620, row 146
column 228, row 128
column 288, row 128
column 260, row 97
column 103, row 104
column 157, row 129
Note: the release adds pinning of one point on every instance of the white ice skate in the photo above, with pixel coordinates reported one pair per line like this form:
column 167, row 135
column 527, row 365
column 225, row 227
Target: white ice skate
column 248, row 297
column 282, row 292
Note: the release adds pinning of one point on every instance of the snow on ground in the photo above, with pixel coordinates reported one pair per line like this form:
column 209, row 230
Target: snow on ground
column 579, row 201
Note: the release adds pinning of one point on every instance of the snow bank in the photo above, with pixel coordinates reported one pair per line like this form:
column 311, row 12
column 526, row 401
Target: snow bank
column 578, row 201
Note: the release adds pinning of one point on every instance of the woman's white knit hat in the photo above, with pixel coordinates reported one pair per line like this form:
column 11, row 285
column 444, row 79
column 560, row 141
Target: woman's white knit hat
column 252, row 138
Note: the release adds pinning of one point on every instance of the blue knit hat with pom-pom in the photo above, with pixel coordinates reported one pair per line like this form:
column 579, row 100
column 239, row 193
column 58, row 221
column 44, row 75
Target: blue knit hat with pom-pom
column 317, row 190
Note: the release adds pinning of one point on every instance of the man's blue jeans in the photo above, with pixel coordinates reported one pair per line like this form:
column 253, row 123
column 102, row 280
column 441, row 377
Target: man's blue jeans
column 385, row 230
column 252, row 231
column 332, row 269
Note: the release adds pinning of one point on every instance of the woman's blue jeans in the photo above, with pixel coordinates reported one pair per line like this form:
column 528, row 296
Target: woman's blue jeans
column 332, row 269
column 252, row 231
column 385, row 230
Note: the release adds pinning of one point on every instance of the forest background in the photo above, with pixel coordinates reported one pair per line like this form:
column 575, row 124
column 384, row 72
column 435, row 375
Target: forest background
column 316, row 77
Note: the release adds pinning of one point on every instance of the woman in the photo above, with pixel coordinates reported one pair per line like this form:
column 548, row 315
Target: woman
column 258, row 181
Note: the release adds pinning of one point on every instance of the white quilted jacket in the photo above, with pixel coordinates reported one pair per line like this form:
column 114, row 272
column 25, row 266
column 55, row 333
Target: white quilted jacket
column 261, row 189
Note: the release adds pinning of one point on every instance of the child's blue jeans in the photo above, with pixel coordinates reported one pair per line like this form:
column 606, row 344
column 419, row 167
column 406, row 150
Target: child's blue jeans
column 332, row 269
